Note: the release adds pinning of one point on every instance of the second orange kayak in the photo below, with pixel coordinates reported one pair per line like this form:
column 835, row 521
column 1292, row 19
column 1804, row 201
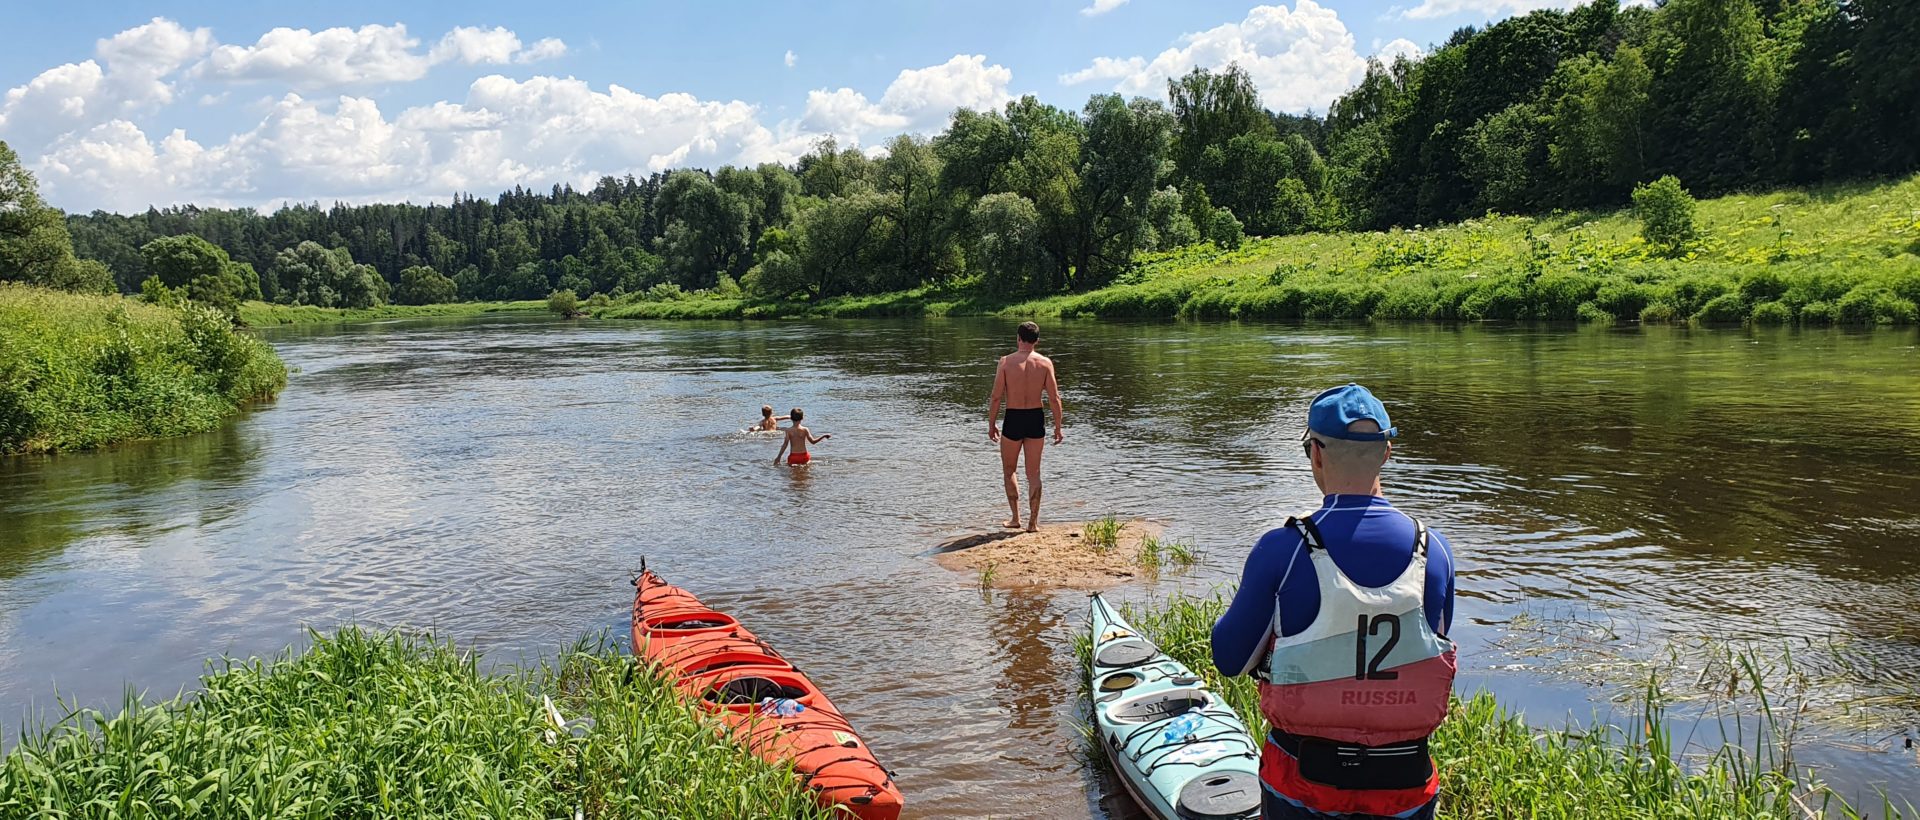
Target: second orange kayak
column 769, row 706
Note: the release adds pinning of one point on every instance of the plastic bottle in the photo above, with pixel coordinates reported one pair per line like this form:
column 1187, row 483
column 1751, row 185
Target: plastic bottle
column 1184, row 726
column 781, row 707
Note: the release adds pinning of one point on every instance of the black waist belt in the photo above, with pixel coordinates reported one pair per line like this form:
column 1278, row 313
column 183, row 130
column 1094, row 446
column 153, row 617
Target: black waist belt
column 1356, row 768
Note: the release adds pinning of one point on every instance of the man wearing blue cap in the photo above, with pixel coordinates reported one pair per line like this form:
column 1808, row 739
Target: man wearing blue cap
column 1343, row 615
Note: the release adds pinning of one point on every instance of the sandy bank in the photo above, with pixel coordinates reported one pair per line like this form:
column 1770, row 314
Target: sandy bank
column 1058, row 556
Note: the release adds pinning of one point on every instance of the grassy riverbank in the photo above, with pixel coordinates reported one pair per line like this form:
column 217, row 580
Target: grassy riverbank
column 80, row 371
column 363, row 725
column 1493, row 764
column 1837, row 255
column 259, row 314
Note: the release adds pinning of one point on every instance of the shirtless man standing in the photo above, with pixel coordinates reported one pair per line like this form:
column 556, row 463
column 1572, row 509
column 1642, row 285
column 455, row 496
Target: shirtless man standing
column 1020, row 380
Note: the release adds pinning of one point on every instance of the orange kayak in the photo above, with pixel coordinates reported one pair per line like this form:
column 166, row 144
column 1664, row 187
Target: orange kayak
column 769, row 706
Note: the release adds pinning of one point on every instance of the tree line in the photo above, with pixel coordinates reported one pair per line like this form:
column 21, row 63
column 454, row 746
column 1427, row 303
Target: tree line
column 1553, row 109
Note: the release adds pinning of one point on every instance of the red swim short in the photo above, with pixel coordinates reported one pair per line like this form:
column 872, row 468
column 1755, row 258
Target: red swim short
column 797, row 459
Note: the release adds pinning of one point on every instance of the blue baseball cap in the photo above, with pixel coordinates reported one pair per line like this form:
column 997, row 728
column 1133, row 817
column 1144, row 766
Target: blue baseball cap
column 1338, row 407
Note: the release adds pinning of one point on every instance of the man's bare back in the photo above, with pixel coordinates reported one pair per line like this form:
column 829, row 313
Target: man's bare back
column 1027, row 374
column 1024, row 383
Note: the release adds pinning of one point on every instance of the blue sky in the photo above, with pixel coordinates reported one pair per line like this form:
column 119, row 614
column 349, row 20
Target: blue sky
column 122, row 106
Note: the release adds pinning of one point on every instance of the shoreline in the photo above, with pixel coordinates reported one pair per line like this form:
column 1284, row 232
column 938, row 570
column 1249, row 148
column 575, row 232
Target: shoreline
column 266, row 314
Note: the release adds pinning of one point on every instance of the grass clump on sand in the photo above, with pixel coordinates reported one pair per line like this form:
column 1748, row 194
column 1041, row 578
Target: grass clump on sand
column 79, row 371
column 258, row 314
column 1103, row 533
column 1494, row 765
column 368, row 725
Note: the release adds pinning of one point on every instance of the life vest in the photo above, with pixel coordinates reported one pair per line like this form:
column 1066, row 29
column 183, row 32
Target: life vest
column 1353, row 697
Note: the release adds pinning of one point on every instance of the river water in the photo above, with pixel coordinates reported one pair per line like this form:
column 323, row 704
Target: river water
column 497, row 480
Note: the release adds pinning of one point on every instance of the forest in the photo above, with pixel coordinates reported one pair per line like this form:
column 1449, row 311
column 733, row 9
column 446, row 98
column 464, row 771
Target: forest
column 1550, row 111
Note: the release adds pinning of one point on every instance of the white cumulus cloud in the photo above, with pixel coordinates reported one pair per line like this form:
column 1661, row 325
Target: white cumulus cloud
column 82, row 125
column 494, row 46
column 473, row 46
column 531, row 132
column 327, row 58
column 1100, row 7
column 1301, row 58
column 791, row 58
column 918, row 100
column 83, row 94
column 1400, row 47
column 546, row 48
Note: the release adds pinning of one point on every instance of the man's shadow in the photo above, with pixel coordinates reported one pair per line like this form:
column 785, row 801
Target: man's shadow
column 970, row 541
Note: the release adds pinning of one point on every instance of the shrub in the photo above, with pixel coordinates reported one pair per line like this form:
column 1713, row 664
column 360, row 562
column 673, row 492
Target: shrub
column 1590, row 312
column 1771, row 313
column 1619, row 297
column 1870, row 306
column 1724, row 309
column 664, row 292
column 1819, row 313
column 1499, row 300
column 1763, row 285
column 1666, row 215
column 564, row 302
column 1657, row 312
column 421, row 285
column 1226, row 230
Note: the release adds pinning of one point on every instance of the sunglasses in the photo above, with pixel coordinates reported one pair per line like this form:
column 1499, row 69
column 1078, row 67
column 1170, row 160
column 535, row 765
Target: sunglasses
column 1306, row 445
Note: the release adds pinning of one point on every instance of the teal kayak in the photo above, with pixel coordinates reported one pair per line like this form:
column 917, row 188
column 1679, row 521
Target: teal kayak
column 1180, row 750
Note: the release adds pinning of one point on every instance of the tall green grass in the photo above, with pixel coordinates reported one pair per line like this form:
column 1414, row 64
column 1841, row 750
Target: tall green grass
column 375, row 726
column 79, row 371
column 259, row 314
column 1494, row 765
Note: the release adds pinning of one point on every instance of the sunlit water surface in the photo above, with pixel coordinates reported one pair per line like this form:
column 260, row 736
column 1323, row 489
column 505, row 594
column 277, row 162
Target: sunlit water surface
column 498, row 480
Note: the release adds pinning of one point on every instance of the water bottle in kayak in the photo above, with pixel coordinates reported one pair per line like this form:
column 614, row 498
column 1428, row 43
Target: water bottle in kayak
column 1184, row 726
column 781, row 707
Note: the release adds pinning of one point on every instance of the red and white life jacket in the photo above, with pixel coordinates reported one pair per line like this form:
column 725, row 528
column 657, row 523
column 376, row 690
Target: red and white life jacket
column 1354, row 695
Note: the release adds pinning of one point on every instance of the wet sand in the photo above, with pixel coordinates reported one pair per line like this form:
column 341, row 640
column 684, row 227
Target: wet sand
column 1058, row 556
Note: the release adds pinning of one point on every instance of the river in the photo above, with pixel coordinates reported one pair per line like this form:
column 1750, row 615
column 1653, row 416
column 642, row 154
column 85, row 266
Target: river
column 498, row 480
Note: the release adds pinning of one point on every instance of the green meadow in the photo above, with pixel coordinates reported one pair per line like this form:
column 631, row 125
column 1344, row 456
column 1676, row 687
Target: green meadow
column 1841, row 255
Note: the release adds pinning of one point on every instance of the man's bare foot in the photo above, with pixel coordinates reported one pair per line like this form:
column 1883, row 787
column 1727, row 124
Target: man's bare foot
column 1033, row 528
column 1011, row 523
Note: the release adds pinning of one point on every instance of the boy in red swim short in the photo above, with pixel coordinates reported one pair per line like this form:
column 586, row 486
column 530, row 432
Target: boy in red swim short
column 798, row 437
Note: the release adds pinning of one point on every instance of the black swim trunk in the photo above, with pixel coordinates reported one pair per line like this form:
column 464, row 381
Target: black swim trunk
column 1020, row 425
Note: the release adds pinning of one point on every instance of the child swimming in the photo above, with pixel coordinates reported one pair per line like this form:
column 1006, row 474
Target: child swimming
column 766, row 423
column 797, row 437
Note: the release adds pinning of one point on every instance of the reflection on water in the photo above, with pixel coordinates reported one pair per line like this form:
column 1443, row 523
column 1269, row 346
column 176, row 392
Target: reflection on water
column 498, row 479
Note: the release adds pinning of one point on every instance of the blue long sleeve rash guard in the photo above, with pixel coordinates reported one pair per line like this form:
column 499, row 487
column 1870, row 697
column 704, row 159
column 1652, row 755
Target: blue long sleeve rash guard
column 1368, row 540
